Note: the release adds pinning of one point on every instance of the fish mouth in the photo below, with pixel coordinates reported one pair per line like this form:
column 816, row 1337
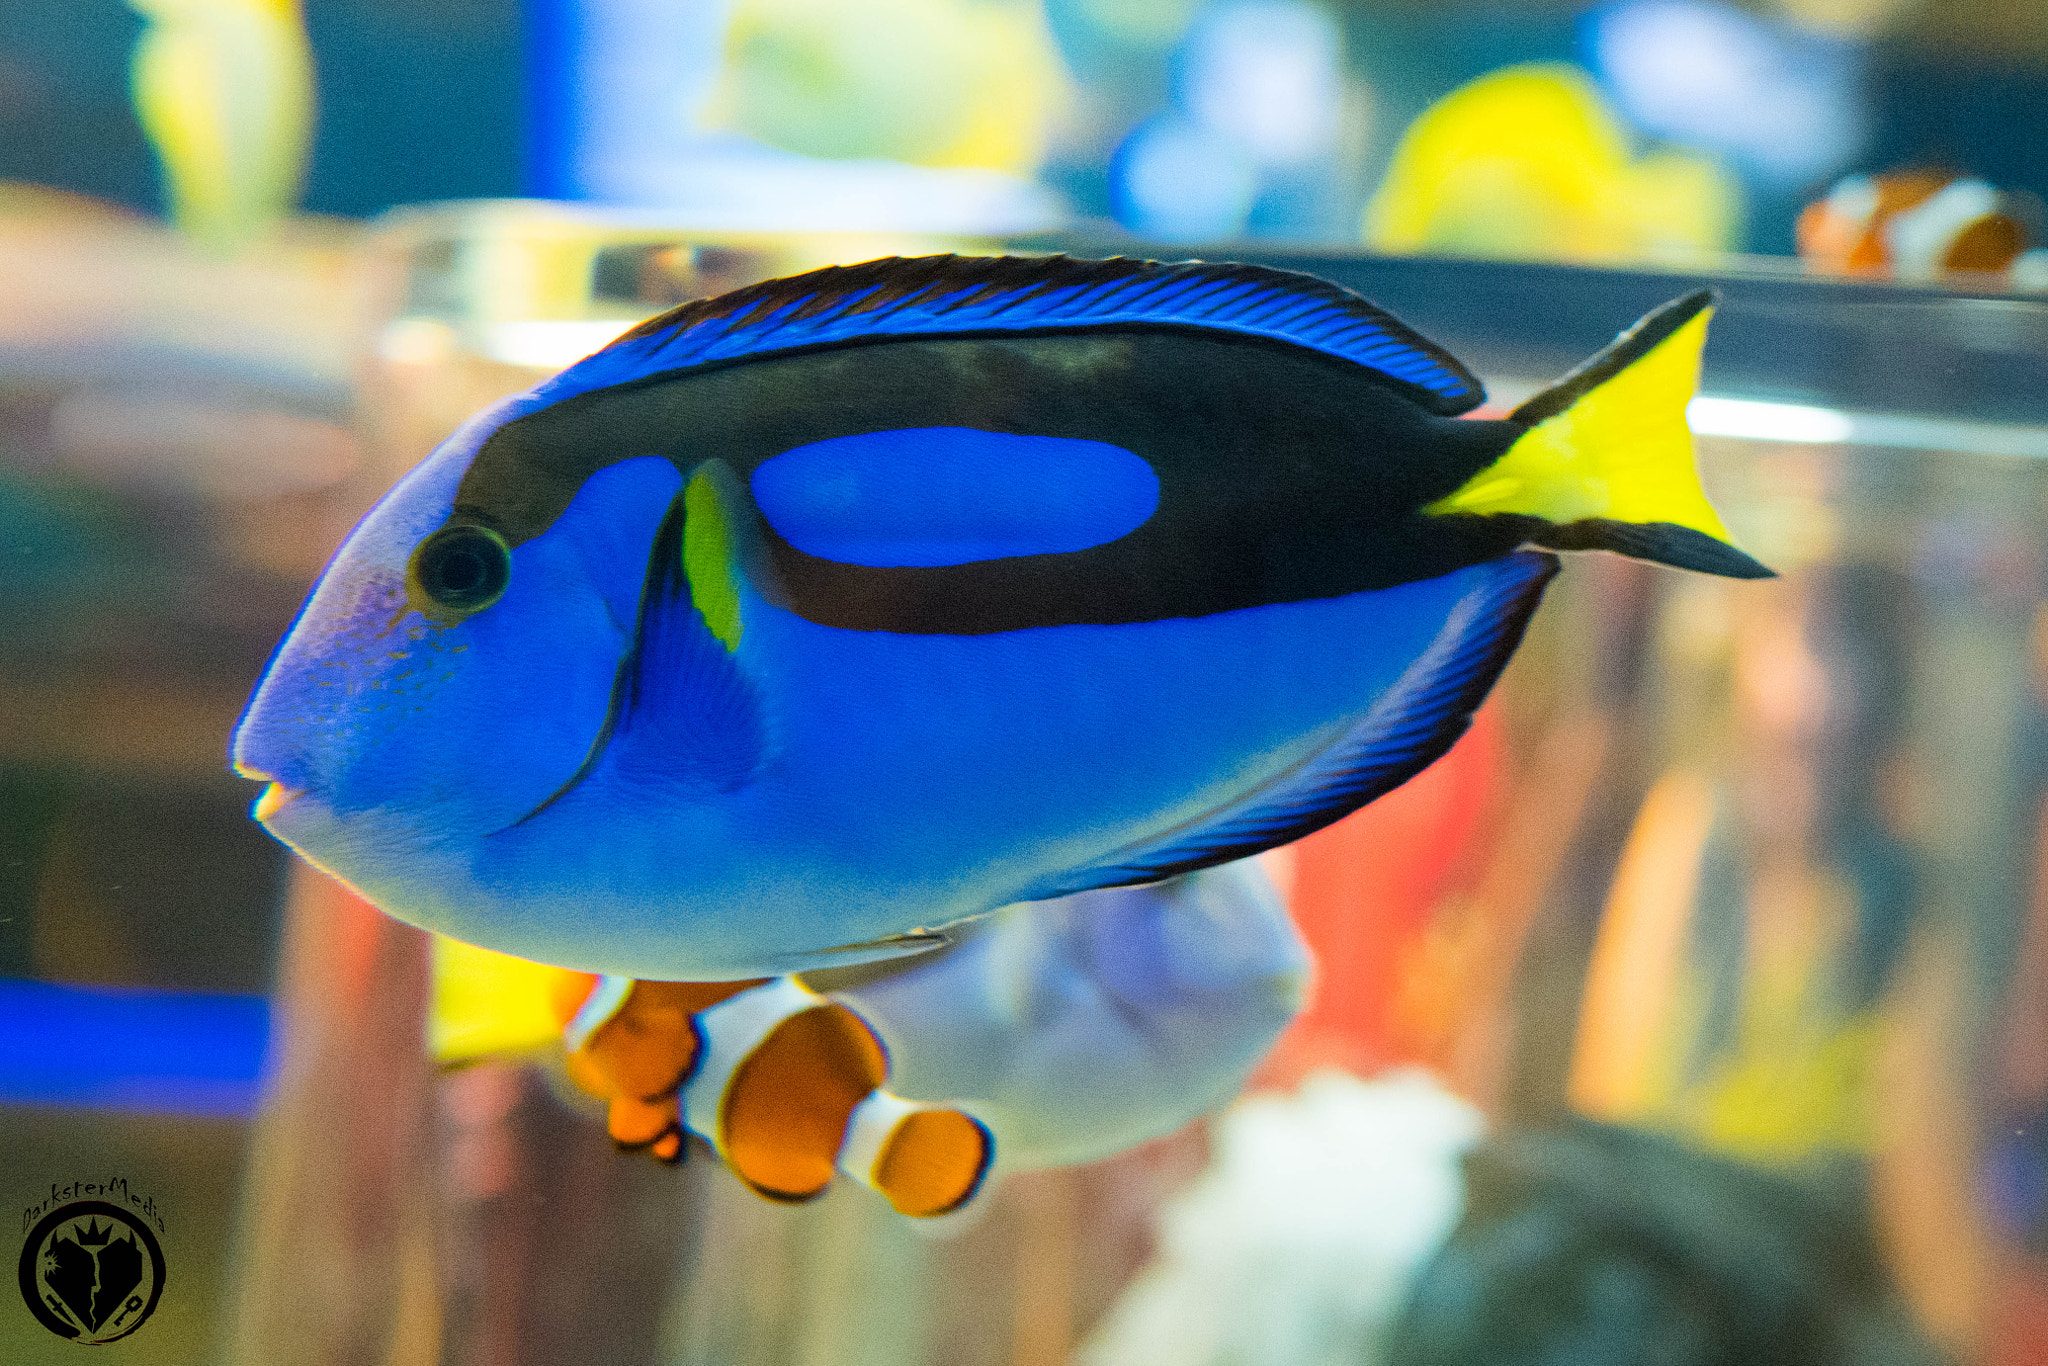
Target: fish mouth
column 274, row 797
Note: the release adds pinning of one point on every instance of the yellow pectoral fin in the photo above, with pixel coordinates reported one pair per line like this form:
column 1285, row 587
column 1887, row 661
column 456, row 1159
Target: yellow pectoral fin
column 1608, row 460
column 642, row 1125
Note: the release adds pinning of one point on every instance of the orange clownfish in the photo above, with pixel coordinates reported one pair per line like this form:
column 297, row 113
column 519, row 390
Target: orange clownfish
column 1049, row 1033
column 785, row 1085
column 1914, row 225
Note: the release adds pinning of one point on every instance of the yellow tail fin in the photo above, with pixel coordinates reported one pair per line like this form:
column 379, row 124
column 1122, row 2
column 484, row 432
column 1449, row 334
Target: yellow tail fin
column 1607, row 461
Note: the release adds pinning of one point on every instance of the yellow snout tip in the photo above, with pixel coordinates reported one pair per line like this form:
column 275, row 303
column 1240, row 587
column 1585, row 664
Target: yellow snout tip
column 272, row 801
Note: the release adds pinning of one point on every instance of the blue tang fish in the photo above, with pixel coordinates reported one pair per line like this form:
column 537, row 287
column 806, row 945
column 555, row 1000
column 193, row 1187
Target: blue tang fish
column 802, row 622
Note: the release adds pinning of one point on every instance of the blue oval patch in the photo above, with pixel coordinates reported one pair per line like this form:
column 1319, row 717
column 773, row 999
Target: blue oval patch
column 930, row 496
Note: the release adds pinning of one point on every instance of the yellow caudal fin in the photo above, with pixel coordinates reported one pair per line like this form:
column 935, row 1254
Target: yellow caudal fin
column 1607, row 460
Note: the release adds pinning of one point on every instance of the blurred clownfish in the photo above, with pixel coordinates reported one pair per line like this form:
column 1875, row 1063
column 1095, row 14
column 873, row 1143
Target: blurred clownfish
column 803, row 623
column 1915, row 225
column 1058, row 1031
column 785, row 1085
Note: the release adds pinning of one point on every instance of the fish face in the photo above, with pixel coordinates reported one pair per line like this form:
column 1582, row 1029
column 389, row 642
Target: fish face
column 440, row 686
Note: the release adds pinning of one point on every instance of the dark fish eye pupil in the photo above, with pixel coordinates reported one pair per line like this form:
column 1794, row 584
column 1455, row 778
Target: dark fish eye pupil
column 459, row 570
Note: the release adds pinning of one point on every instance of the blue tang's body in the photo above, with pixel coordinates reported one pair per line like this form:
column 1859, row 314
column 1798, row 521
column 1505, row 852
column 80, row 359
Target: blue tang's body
column 802, row 622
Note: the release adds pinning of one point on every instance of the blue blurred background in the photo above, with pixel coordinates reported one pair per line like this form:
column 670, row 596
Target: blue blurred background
column 1180, row 119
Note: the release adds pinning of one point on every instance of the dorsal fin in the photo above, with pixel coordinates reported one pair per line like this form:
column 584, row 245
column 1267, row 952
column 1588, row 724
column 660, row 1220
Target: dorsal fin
column 929, row 296
column 1406, row 731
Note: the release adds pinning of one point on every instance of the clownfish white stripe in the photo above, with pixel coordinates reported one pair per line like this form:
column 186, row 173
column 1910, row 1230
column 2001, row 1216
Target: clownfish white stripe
column 727, row 1034
column 605, row 1000
column 868, row 1130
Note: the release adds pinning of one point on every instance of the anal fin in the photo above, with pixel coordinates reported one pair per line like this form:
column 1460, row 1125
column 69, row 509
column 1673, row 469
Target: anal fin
column 1407, row 730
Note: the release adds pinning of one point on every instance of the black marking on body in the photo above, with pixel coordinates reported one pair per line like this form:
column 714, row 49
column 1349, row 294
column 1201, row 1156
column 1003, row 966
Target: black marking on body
column 1285, row 474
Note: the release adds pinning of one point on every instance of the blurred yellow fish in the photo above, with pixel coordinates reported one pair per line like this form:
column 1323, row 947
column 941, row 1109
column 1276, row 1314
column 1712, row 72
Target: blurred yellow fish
column 967, row 83
column 1527, row 162
column 224, row 89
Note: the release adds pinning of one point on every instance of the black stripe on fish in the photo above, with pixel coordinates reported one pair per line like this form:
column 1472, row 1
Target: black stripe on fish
column 1285, row 474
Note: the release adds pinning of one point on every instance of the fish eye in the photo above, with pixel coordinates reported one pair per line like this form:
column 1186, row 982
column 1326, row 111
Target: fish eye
column 458, row 571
